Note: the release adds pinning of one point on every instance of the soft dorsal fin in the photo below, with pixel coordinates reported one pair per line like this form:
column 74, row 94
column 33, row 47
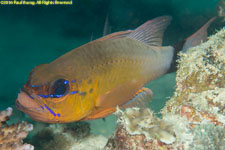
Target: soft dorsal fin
column 141, row 99
column 115, row 35
column 198, row 37
column 152, row 31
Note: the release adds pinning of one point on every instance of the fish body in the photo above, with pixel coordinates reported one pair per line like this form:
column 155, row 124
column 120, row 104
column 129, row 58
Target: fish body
column 90, row 81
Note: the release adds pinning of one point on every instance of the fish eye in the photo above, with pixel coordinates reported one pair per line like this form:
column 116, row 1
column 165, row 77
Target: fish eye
column 59, row 88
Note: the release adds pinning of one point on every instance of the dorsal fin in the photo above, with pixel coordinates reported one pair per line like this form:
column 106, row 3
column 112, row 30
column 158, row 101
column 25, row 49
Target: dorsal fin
column 152, row 31
column 198, row 37
column 106, row 29
column 115, row 35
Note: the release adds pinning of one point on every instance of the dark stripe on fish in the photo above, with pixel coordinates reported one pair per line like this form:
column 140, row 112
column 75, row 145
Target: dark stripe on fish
column 51, row 111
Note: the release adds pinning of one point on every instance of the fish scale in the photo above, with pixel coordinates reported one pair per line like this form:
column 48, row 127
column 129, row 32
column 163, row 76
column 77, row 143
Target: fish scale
column 118, row 65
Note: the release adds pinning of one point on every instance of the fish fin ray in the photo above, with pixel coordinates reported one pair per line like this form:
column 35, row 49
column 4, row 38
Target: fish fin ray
column 198, row 37
column 118, row 95
column 115, row 35
column 141, row 99
column 107, row 103
column 152, row 31
column 106, row 29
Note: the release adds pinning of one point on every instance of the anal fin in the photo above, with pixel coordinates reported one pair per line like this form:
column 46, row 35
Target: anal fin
column 141, row 99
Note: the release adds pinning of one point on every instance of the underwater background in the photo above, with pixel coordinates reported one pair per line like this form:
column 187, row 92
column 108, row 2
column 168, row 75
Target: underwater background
column 33, row 35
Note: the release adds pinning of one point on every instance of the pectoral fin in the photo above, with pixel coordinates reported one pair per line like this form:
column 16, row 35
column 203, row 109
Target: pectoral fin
column 141, row 99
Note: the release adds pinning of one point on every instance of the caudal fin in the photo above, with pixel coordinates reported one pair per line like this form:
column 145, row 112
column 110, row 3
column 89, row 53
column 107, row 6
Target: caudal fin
column 194, row 40
column 152, row 31
column 197, row 37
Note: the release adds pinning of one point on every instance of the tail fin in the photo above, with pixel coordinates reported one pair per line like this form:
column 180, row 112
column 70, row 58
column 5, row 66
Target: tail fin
column 194, row 40
column 197, row 37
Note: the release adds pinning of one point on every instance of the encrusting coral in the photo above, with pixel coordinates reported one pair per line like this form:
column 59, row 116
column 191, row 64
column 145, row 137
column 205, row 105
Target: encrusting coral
column 200, row 91
column 143, row 121
column 221, row 9
column 194, row 118
column 11, row 136
column 140, row 129
column 67, row 137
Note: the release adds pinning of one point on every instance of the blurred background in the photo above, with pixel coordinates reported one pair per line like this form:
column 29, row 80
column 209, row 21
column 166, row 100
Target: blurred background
column 32, row 35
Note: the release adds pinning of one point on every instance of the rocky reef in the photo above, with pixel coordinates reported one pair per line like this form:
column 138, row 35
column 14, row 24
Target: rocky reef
column 11, row 136
column 47, row 136
column 221, row 9
column 140, row 129
column 67, row 137
column 194, row 117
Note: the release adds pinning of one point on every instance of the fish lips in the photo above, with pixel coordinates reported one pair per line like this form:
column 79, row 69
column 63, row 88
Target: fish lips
column 28, row 105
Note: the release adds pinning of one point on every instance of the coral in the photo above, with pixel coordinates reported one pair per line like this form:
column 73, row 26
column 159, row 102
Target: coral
column 221, row 9
column 11, row 136
column 206, row 135
column 67, row 137
column 91, row 142
column 140, row 129
column 142, row 121
column 123, row 140
column 47, row 140
column 194, row 117
column 200, row 80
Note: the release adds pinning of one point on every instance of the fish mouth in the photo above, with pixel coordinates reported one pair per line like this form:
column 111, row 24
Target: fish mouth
column 19, row 106
column 25, row 101
column 28, row 105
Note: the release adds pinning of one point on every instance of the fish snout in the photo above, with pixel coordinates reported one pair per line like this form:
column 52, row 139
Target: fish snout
column 25, row 101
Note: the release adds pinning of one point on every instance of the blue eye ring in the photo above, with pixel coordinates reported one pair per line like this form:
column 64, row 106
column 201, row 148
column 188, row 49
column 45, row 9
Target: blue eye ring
column 59, row 88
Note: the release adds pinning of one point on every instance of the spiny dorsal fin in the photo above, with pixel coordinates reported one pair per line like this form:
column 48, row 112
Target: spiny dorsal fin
column 152, row 31
column 141, row 99
column 107, row 28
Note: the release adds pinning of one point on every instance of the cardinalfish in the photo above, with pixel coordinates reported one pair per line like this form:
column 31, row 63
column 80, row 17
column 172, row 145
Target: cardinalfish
column 91, row 81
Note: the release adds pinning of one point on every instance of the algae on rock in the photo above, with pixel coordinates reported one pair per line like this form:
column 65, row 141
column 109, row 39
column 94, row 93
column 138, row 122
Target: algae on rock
column 67, row 137
column 194, row 118
column 11, row 136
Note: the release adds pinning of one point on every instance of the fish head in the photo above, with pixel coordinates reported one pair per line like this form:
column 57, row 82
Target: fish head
column 51, row 96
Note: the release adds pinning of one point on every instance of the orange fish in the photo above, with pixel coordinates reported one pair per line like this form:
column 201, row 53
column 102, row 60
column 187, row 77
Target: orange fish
column 90, row 81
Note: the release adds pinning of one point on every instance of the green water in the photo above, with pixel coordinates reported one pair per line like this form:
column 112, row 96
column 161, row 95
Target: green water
column 32, row 35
